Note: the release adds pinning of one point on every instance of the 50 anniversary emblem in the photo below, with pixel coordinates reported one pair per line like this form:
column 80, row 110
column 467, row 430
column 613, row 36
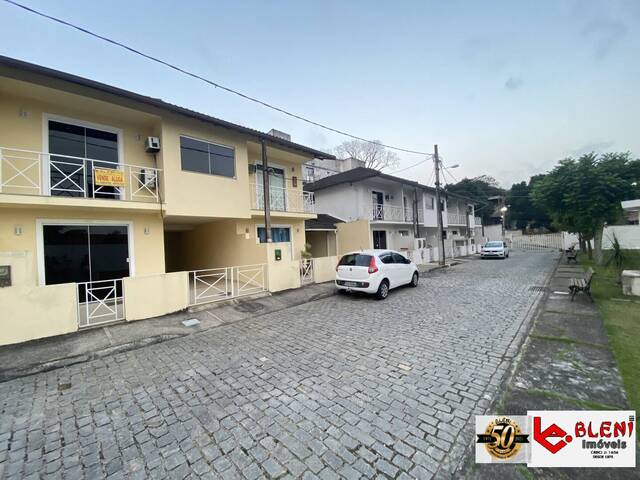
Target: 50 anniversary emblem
column 503, row 439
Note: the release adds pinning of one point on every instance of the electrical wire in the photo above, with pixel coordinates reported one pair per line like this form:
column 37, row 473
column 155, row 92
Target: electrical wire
column 410, row 166
column 206, row 80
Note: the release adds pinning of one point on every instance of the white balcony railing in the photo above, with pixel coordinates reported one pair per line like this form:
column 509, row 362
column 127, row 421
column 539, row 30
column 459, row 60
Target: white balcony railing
column 456, row 219
column 281, row 199
column 28, row 172
column 392, row 213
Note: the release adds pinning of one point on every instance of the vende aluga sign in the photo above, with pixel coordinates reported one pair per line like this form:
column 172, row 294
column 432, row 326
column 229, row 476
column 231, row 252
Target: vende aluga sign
column 583, row 438
column 109, row 177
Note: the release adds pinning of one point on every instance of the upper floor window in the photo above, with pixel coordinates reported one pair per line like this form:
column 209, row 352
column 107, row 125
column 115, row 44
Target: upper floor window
column 428, row 202
column 204, row 157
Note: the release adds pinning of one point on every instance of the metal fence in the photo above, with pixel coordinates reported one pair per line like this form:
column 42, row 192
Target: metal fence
column 29, row 172
column 537, row 242
column 216, row 284
column 100, row 302
column 306, row 271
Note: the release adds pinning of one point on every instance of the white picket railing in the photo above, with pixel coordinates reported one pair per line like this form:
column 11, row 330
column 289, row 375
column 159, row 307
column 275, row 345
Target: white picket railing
column 47, row 174
column 215, row 284
column 392, row 213
column 100, row 302
column 282, row 199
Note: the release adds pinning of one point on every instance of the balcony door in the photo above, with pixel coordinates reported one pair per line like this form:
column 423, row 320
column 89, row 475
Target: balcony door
column 75, row 151
column 377, row 199
column 277, row 188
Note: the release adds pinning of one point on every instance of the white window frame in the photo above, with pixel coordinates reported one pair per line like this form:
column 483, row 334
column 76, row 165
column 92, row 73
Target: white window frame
column 46, row 169
column 41, row 222
column 235, row 162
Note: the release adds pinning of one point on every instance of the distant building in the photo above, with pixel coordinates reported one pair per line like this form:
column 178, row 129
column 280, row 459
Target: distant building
column 318, row 169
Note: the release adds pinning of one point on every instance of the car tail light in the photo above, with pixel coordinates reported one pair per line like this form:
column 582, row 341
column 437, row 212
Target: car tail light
column 372, row 265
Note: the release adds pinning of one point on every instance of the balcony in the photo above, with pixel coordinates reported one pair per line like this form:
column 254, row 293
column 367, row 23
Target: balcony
column 456, row 219
column 292, row 200
column 26, row 172
column 392, row 213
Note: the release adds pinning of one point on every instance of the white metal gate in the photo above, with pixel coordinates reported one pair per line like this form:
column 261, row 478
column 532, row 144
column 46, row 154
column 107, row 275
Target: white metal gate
column 306, row 271
column 538, row 242
column 215, row 284
column 100, row 302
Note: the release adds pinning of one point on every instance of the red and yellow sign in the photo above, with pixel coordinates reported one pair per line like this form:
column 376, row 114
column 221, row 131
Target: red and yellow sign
column 109, row 177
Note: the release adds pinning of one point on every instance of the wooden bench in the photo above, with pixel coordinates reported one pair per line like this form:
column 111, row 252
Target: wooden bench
column 572, row 256
column 581, row 284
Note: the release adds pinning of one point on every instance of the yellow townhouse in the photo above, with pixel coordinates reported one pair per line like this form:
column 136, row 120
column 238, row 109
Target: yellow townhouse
column 115, row 205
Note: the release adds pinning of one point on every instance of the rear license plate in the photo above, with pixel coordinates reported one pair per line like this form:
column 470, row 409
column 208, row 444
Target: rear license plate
column 350, row 284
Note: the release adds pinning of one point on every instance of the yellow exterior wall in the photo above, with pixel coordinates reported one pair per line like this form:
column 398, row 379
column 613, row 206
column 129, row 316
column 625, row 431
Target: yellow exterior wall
column 27, row 131
column 353, row 236
column 199, row 194
column 324, row 269
column 30, row 312
column 148, row 249
column 154, row 295
column 283, row 274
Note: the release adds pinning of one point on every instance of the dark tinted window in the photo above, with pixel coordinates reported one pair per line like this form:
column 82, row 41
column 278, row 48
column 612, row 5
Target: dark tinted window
column 204, row 157
column 194, row 155
column 386, row 258
column 355, row 260
column 397, row 258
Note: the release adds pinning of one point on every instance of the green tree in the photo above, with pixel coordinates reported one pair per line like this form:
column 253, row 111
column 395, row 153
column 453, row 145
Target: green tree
column 522, row 211
column 581, row 195
column 478, row 189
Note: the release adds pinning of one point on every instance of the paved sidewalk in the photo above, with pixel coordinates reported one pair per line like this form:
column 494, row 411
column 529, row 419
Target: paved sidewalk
column 64, row 350
column 566, row 364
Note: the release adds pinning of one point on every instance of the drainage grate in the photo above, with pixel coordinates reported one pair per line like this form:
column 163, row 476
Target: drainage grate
column 537, row 288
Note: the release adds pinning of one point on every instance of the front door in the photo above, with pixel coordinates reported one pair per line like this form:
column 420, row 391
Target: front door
column 379, row 239
column 85, row 253
column 377, row 199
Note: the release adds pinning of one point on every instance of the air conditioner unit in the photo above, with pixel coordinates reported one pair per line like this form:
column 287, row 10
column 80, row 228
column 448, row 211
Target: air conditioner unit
column 252, row 168
column 148, row 178
column 152, row 145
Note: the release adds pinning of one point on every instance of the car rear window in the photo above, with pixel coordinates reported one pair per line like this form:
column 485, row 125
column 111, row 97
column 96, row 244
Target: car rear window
column 355, row 260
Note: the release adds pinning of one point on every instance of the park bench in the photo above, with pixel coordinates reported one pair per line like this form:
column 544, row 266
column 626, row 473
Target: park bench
column 581, row 284
column 572, row 256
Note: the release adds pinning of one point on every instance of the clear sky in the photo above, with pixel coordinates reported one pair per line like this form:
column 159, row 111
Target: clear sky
column 505, row 88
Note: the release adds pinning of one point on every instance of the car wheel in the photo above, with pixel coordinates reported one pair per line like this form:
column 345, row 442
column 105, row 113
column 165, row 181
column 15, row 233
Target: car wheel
column 383, row 290
column 414, row 279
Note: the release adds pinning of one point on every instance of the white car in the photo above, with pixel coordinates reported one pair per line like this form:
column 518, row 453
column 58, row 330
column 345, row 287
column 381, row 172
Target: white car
column 495, row 249
column 375, row 271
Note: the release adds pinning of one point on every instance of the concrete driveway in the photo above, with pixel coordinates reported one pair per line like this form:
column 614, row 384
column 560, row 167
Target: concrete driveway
column 345, row 386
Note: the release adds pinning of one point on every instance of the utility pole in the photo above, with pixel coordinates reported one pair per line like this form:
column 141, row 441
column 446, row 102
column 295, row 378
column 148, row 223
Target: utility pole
column 266, row 193
column 436, row 163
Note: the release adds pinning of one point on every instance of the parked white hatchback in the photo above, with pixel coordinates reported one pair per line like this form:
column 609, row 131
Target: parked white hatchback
column 375, row 271
column 495, row 249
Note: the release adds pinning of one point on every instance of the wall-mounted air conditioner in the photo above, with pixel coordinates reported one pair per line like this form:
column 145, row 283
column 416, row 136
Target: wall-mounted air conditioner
column 152, row 145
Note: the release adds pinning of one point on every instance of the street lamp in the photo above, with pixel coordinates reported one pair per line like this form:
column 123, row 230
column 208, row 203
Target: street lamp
column 503, row 216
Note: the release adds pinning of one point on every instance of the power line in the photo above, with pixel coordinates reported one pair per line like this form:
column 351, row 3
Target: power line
column 206, row 80
column 410, row 166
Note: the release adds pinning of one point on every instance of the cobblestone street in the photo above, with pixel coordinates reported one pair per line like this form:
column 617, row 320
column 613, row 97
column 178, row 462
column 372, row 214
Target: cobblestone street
column 345, row 387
